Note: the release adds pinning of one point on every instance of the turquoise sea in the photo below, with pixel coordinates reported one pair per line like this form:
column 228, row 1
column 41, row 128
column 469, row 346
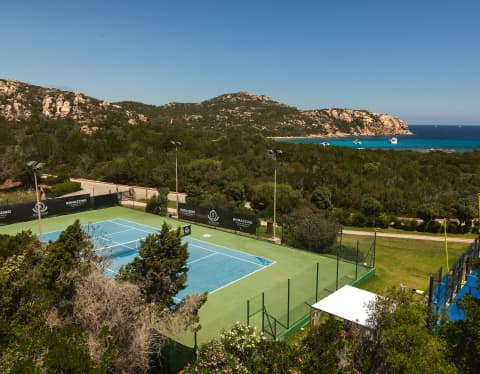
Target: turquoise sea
column 425, row 138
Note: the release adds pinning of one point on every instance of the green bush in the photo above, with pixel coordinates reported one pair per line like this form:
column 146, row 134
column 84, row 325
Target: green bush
column 213, row 358
column 158, row 204
column 358, row 219
column 64, row 188
column 434, row 227
column 55, row 179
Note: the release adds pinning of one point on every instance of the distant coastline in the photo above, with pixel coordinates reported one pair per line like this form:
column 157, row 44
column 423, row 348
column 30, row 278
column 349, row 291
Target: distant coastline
column 422, row 138
column 336, row 135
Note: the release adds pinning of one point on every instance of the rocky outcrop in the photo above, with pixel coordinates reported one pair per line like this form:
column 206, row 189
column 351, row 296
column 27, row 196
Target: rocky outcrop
column 243, row 111
column 20, row 101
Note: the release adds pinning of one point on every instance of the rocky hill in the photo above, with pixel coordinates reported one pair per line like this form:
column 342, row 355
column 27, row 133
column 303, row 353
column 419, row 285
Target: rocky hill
column 24, row 102
column 243, row 111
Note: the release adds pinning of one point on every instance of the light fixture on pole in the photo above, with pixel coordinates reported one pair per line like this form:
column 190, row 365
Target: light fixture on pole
column 35, row 166
column 274, row 153
column 176, row 144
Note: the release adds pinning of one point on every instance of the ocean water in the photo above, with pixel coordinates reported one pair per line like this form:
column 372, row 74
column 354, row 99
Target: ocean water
column 425, row 138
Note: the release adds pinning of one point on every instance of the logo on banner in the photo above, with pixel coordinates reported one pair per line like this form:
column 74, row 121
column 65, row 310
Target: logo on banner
column 76, row 203
column 242, row 222
column 186, row 212
column 5, row 213
column 40, row 207
column 187, row 230
column 213, row 217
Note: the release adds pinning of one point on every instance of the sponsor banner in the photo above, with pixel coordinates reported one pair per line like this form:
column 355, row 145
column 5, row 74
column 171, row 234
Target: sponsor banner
column 49, row 207
column 105, row 201
column 218, row 217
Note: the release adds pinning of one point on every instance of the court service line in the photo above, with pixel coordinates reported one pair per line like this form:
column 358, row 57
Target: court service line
column 135, row 228
column 227, row 248
column 117, row 232
column 239, row 279
column 132, row 227
column 201, row 258
column 227, row 255
column 117, row 243
column 111, row 271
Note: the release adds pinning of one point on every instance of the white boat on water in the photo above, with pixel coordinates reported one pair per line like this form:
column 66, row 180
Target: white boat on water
column 357, row 141
column 325, row 143
column 393, row 140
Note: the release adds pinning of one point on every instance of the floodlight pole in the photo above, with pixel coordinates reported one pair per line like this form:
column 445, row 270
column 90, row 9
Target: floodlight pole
column 274, row 153
column 34, row 165
column 176, row 144
column 275, row 201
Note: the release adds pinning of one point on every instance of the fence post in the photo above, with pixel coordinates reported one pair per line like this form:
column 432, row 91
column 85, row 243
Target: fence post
column 430, row 291
column 195, row 343
column 248, row 312
column 374, row 246
column 356, row 261
column 338, row 258
column 263, row 311
column 288, row 304
column 316, row 285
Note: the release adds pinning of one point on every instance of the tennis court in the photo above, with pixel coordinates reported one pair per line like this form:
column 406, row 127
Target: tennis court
column 211, row 267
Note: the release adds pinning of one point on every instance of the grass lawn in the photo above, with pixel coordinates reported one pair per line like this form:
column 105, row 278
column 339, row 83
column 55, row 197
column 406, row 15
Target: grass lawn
column 391, row 230
column 406, row 262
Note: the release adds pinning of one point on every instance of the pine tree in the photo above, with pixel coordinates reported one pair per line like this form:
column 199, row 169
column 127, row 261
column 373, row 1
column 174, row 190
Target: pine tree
column 161, row 269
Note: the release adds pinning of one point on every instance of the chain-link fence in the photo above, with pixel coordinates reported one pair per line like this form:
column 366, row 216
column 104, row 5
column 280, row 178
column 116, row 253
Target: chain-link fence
column 283, row 309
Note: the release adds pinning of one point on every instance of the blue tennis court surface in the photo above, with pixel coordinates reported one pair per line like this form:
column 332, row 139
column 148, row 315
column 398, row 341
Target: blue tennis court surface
column 210, row 267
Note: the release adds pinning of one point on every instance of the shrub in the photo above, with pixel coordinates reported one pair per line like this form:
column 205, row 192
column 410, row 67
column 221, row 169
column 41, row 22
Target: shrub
column 310, row 229
column 158, row 204
column 213, row 358
column 241, row 340
column 65, row 187
column 434, row 227
column 358, row 219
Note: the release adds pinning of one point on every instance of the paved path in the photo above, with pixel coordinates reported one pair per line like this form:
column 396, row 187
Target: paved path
column 409, row 236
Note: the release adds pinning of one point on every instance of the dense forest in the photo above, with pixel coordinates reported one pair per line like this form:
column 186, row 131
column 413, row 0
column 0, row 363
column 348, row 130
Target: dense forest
column 229, row 168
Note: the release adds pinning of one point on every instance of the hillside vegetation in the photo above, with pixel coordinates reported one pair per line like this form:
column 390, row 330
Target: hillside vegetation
column 227, row 168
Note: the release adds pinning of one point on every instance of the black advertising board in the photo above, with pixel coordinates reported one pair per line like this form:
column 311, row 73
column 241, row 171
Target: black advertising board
column 218, row 217
column 105, row 201
column 49, row 207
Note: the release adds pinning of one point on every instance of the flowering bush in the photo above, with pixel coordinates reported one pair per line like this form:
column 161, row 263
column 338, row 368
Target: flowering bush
column 242, row 340
column 212, row 358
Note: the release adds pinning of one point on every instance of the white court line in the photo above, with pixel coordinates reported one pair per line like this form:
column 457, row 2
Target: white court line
column 135, row 228
column 201, row 258
column 227, row 255
column 117, row 243
column 111, row 271
column 177, row 299
column 239, row 279
column 117, row 232
column 228, row 248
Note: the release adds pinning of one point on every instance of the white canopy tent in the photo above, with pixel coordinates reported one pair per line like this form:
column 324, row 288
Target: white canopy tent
column 349, row 303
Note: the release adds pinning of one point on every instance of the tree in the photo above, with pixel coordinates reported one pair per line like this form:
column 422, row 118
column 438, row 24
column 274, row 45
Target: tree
column 371, row 206
column 427, row 213
column 399, row 339
column 262, row 198
column 320, row 349
column 158, row 204
column 161, row 269
column 464, row 210
column 322, row 197
column 310, row 229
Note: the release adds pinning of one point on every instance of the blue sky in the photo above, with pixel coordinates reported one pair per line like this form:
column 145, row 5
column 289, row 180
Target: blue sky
column 419, row 60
